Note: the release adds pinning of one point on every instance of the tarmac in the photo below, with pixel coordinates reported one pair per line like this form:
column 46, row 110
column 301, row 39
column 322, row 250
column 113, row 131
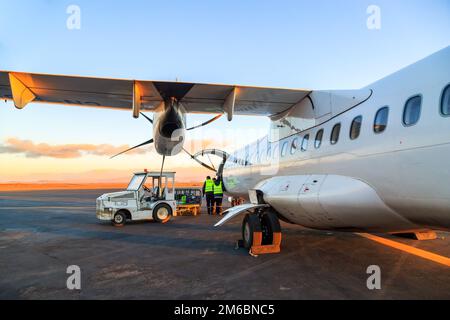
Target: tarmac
column 44, row 232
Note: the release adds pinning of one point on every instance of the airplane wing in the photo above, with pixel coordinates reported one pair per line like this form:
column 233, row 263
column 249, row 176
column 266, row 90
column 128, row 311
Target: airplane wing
column 137, row 95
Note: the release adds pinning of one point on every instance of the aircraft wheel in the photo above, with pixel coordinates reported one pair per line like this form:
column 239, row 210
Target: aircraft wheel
column 269, row 225
column 162, row 213
column 250, row 225
column 119, row 219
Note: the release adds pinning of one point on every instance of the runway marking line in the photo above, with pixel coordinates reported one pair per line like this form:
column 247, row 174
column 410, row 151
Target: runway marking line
column 409, row 249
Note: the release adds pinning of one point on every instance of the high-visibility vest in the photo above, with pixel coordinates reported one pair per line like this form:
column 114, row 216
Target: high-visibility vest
column 218, row 188
column 209, row 185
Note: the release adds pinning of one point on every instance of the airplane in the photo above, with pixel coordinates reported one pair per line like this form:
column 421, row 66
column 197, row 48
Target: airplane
column 373, row 159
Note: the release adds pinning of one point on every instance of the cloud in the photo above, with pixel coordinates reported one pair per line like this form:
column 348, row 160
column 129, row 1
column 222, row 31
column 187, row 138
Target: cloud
column 64, row 151
column 71, row 151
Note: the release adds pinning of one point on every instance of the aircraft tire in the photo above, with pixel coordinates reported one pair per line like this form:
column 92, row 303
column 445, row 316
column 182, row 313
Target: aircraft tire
column 269, row 225
column 250, row 225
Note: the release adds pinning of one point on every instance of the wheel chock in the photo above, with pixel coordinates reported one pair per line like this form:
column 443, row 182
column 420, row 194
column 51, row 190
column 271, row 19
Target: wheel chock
column 263, row 243
column 259, row 248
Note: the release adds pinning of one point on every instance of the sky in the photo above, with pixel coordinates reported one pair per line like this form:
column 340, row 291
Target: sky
column 322, row 44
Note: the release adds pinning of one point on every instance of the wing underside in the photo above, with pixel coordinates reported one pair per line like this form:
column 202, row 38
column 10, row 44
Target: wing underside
column 137, row 95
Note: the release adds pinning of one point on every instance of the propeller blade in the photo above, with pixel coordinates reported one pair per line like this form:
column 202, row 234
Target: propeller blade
column 205, row 123
column 146, row 117
column 140, row 145
column 200, row 162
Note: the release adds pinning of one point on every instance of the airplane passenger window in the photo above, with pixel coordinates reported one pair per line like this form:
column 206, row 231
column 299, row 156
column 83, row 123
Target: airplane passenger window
column 319, row 137
column 355, row 129
column 445, row 102
column 305, row 142
column 334, row 138
column 294, row 145
column 411, row 113
column 284, row 149
column 381, row 120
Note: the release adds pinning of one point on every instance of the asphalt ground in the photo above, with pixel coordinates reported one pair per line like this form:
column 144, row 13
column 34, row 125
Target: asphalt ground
column 44, row 232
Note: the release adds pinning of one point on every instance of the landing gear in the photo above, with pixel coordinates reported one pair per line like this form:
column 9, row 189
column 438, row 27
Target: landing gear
column 261, row 233
column 250, row 225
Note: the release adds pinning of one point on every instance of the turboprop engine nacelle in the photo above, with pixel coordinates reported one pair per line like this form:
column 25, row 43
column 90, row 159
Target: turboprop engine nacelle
column 169, row 129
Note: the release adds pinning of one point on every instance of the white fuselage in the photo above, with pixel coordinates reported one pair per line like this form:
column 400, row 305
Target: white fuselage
column 403, row 172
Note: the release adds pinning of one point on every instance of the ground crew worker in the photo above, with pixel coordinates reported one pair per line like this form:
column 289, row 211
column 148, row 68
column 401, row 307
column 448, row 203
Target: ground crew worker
column 208, row 192
column 218, row 195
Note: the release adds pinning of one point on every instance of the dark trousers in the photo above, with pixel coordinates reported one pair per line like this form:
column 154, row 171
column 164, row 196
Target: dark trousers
column 209, row 201
column 218, row 203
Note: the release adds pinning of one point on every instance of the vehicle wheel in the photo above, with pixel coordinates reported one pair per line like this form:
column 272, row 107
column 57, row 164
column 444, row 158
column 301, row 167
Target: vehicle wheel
column 162, row 213
column 250, row 225
column 119, row 219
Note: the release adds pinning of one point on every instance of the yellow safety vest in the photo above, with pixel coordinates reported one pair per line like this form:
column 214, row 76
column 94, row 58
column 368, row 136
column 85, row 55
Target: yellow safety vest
column 218, row 188
column 209, row 185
